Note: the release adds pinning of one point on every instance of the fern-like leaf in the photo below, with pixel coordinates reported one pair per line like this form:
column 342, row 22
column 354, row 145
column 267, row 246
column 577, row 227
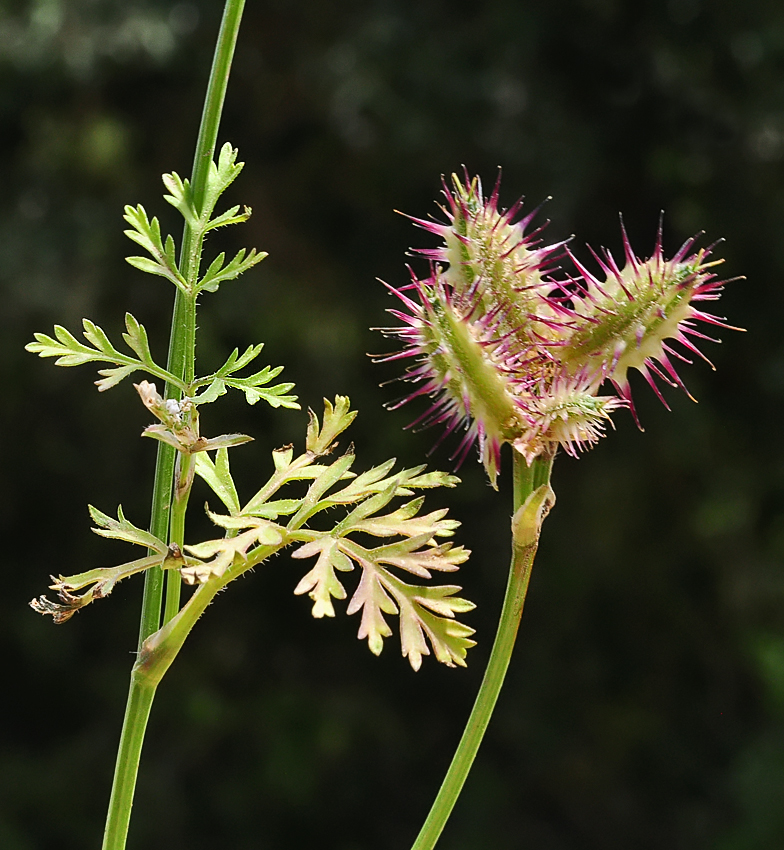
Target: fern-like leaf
column 70, row 352
column 427, row 613
column 220, row 271
column 146, row 232
column 254, row 386
column 122, row 529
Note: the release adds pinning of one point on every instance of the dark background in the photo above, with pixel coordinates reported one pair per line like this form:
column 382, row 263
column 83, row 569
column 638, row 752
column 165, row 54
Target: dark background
column 644, row 706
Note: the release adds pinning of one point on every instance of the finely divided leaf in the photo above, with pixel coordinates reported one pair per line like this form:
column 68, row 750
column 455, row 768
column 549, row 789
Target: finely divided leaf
column 218, row 477
column 253, row 386
column 121, row 529
column 146, row 233
column 427, row 613
column 321, row 583
column 337, row 418
column 424, row 612
column 70, row 352
column 430, row 611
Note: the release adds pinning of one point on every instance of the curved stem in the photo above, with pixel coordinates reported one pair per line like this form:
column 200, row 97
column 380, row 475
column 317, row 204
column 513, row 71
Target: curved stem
column 181, row 363
column 160, row 649
column 532, row 500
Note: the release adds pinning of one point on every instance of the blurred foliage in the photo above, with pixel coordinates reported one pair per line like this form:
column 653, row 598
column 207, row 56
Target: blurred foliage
column 645, row 704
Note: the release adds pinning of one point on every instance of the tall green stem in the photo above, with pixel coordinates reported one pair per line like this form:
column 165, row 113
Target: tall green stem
column 165, row 511
column 154, row 659
column 182, row 341
column 532, row 500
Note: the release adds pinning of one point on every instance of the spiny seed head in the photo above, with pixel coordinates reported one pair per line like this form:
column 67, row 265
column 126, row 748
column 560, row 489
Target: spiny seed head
column 567, row 413
column 510, row 354
column 626, row 320
column 461, row 364
column 489, row 257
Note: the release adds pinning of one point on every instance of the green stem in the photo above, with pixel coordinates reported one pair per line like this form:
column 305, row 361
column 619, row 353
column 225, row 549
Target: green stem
column 137, row 712
column 532, row 500
column 182, row 343
column 181, row 363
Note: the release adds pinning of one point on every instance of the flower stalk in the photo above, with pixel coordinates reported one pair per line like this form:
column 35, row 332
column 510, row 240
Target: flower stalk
column 510, row 353
column 533, row 498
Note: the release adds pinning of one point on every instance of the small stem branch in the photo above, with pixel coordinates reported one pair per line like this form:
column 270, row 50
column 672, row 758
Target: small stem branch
column 183, row 481
column 160, row 649
column 532, row 501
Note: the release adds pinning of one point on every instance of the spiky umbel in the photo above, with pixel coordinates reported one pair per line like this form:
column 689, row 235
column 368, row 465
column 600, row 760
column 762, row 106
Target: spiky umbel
column 488, row 257
column 625, row 321
column 566, row 412
column 515, row 356
column 462, row 364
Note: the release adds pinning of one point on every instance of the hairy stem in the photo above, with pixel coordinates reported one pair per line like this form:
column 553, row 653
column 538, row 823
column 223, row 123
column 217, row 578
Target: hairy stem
column 181, row 363
column 154, row 659
column 160, row 649
column 533, row 499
